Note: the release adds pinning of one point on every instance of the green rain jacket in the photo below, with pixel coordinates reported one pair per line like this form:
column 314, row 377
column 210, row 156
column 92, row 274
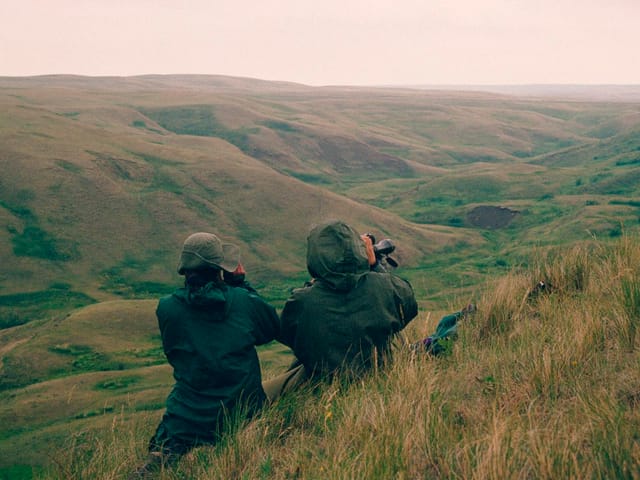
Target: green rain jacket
column 209, row 337
column 349, row 314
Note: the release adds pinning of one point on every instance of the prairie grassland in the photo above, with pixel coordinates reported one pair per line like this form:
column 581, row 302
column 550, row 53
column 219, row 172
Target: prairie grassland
column 540, row 383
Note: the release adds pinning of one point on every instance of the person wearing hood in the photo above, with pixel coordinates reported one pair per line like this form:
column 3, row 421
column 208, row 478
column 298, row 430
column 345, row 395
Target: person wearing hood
column 345, row 320
column 209, row 331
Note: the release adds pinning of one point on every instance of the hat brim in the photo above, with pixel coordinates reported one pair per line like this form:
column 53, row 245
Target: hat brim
column 231, row 257
column 193, row 261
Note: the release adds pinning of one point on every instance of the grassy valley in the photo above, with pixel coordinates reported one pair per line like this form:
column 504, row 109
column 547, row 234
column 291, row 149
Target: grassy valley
column 483, row 193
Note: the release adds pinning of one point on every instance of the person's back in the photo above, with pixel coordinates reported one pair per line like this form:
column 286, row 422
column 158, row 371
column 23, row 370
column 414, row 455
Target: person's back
column 209, row 336
column 209, row 332
column 348, row 316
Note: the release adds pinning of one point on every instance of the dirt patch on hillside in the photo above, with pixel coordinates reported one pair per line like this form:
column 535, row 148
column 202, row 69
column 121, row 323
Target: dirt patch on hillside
column 487, row 216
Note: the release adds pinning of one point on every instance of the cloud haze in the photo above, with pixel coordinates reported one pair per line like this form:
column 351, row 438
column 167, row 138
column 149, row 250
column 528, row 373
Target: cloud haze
column 348, row 42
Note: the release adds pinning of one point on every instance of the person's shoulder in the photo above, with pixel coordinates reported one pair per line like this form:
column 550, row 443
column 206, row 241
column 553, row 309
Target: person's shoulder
column 241, row 289
column 234, row 293
column 170, row 297
column 379, row 276
column 168, row 303
column 316, row 287
column 386, row 278
column 177, row 294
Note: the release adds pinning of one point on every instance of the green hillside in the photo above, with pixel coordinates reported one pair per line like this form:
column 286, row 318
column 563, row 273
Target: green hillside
column 103, row 178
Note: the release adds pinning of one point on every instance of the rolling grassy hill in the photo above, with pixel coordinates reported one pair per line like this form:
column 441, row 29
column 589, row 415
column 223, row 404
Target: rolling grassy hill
column 101, row 185
column 154, row 158
column 103, row 178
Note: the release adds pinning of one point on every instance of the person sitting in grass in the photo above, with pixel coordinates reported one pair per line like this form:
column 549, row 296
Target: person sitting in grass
column 209, row 331
column 344, row 321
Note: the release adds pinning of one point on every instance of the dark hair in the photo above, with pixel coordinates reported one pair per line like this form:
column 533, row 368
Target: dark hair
column 199, row 278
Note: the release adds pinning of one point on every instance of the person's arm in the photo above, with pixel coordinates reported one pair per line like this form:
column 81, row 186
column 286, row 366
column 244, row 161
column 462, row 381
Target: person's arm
column 289, row 322
column 265, row 319
column 161, row 316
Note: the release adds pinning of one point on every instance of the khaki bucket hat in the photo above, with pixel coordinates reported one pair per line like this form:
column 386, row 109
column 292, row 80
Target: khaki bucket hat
column 203, row 250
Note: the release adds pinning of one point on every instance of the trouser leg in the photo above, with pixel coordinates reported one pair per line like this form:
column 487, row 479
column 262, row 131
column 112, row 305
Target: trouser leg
column 276, row 387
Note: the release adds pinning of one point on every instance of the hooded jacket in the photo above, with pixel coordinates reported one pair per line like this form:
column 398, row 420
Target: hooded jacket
column 350, row 314
column 209, row 336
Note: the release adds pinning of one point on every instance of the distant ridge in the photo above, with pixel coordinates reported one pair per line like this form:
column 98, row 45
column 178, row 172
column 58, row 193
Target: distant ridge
column 604, row 92
column 595, row 92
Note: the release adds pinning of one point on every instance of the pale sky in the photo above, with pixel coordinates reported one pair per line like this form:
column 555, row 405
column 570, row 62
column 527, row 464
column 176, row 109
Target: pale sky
column 329, row 42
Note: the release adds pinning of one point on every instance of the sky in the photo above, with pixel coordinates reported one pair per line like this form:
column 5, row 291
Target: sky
column 329, row 42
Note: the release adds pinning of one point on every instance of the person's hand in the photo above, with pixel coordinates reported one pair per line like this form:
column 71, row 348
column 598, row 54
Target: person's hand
column 236, row 277
column 239, row 270
column 371, row 254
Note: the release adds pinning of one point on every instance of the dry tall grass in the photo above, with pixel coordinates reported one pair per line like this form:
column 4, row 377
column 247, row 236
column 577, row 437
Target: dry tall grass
column 539, row 385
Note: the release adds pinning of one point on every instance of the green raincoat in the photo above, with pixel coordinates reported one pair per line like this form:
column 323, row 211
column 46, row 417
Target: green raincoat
column 348, row 316
column 209, row 337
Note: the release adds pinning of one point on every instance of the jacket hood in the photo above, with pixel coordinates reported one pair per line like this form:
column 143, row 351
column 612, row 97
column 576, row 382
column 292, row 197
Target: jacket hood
column 208, row 295
column 336, row 255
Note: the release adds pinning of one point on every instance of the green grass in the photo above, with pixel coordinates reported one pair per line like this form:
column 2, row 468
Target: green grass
column 35, row 242
column 69, row 166
column 32, row 240
column 315, row 179
column 86, row 359
column 18, row 205
column 18, row 472
column 610, row 183
column 540, row 386
column 200, row 120
column 123, row 278
column 629, row 162
column 155, row 160
column 20, row 308
column 118, row 383
column 280, row 126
